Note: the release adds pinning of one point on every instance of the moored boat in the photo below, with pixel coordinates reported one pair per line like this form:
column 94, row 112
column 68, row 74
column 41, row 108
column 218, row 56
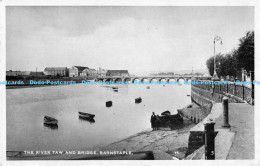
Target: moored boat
column 138, row 100
column 166, row 113
column 170, row 121
column 50, row 121
column 108, row 103
column 86, row 115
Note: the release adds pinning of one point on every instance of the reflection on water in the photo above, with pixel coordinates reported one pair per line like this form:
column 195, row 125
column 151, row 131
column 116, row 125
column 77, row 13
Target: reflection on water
column 51, row 126
column 90, row 120
column 26, row 107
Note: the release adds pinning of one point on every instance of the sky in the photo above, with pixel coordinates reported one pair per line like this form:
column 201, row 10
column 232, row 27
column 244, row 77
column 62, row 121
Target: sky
column 138, row 39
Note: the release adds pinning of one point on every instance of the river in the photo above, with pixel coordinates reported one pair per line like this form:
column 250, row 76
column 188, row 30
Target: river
column 26, row 108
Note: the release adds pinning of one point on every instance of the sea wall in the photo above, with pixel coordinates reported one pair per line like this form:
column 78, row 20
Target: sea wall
column 202, row 93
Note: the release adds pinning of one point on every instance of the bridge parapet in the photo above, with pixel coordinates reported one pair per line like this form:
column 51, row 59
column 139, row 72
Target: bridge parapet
column 155, row 77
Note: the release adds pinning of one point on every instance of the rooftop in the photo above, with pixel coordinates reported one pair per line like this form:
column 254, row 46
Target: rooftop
column 55, row 68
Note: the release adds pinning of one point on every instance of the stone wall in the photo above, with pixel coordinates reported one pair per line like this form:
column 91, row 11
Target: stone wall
column 236, row 92
column 196, row 140
column 206, row 97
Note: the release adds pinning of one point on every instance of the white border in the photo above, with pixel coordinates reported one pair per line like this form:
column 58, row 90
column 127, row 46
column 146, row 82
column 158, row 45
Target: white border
column 4, row 3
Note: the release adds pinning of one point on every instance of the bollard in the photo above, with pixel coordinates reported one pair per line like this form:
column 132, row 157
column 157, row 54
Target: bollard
column 209, row 140
column 225, row 113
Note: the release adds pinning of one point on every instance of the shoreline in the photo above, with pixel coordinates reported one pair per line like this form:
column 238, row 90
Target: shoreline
column 144, row 141
column 159, row 142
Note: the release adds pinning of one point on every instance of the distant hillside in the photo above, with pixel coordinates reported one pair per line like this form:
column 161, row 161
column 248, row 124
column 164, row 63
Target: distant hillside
column 181, row 72
column 190, row 71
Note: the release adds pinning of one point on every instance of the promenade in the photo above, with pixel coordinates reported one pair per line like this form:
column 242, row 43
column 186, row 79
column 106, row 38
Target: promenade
column 232, row 143
column 241, row 119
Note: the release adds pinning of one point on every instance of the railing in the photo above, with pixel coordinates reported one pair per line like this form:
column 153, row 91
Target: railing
column 241, row 91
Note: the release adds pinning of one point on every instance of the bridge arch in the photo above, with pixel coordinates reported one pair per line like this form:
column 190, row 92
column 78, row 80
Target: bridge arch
column 162, row 80
column 169, row 80
column 153, row 80
column 127, row 79
column 118, row 79
column 99, row 79
column 108, row 79
column 188, row 78
column 137, row 79
column 181, row 80
column 143, row 80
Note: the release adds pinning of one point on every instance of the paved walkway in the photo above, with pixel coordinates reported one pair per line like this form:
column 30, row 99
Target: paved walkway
column 241, row 119
column 236, row 142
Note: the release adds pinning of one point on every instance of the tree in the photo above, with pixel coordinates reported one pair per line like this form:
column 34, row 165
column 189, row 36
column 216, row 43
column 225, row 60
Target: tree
column 210, row 65
column 245, row 52
column 233, row 62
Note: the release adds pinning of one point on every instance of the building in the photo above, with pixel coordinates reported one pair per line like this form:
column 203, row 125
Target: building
column 13, row 73
column 90, row 72
column 56, row 71
column 17, row 73
column 73, row 72
column 38, row 73
column 102, row 72
column 80, row 69
column 121, row 73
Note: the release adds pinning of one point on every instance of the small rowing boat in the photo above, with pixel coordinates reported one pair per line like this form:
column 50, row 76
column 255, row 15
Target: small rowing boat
column 108, row 103
column 138, row 100
column 86, row 115
column 50, row 121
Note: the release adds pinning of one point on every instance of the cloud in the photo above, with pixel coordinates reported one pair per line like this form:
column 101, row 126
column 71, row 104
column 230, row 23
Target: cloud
column 137, row 39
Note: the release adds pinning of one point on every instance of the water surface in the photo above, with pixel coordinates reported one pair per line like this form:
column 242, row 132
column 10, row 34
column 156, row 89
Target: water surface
column 26, row 108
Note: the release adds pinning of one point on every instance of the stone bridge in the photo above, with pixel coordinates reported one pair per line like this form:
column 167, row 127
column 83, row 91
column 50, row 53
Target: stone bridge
column 149, row 78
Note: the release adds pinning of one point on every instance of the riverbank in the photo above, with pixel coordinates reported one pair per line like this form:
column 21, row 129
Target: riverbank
column 164, row 144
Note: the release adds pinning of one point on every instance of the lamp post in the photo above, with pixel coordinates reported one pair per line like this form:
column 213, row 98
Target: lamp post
column 215, row 76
